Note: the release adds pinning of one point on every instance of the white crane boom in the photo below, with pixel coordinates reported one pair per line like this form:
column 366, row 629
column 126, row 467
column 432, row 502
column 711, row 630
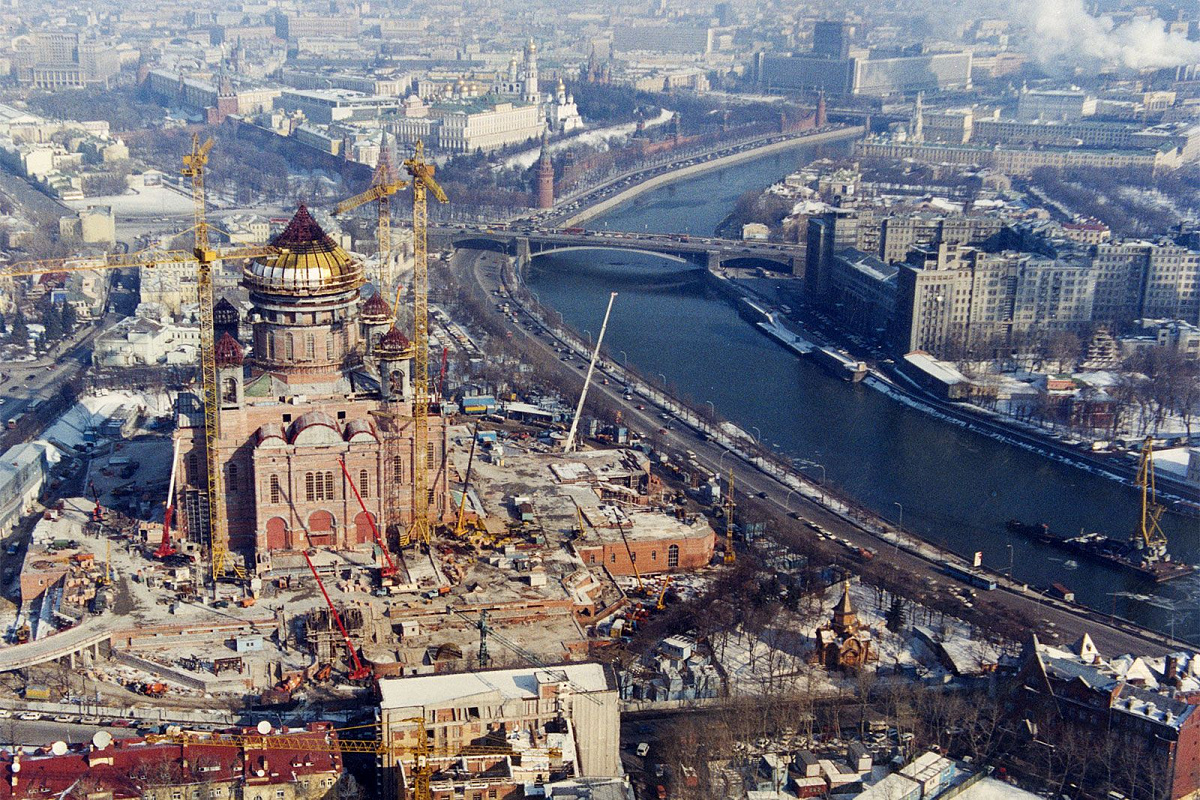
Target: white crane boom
column 570, row 443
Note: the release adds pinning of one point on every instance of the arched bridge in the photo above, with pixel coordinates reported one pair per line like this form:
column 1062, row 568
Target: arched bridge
column 523, row 243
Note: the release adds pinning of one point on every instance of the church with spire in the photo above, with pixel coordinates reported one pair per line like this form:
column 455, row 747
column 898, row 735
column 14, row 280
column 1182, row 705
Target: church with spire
column 302, row 393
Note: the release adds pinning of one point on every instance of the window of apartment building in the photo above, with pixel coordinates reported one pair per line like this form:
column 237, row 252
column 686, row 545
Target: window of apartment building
column 276, row 492
column 673, row 556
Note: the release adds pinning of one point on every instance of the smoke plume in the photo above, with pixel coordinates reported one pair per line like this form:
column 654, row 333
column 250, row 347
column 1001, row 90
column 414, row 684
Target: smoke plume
column 1062, row 32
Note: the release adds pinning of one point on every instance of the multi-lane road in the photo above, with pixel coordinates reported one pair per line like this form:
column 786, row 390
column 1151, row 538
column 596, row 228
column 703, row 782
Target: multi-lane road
column 1051, row 621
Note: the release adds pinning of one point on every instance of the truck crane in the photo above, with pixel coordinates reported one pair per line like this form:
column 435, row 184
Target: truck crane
column 388, row 570
column 360, row 671
column 165, row 548
column 204, row 256
column 460, row 529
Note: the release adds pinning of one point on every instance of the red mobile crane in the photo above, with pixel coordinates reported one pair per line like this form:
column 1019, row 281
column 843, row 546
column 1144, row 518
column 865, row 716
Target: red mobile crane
column 359, row 672
column 165, row 548
column 389, row 568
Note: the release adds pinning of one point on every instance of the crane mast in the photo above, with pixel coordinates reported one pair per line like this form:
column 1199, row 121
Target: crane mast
column 205, row 256
column 730, row 556
column 1149, row 537
column 384, row 184
column 421, row 172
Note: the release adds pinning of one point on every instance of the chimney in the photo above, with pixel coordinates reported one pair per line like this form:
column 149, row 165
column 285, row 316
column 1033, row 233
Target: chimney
column 1171, row 670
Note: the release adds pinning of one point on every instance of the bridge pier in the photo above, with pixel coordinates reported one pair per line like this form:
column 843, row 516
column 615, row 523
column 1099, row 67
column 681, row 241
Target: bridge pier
column 523, row 253
column 714, row 260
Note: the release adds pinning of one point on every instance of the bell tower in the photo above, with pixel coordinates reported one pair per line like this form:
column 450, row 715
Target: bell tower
column 228, row 355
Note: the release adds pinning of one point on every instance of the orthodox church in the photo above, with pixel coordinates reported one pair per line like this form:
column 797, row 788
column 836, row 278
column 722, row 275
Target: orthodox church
column 322, row 379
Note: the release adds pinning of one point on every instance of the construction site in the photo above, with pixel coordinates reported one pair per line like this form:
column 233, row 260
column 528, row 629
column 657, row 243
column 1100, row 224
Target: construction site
column 311, row 520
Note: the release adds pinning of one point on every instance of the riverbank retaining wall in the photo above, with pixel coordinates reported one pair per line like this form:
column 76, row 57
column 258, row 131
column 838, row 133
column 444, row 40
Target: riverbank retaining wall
column 620, row 198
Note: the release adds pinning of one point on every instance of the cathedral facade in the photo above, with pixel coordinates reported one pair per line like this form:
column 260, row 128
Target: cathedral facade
column 318, row 405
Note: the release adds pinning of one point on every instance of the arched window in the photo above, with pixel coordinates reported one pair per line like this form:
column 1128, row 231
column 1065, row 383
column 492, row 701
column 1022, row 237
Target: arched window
column 328, row 486
column 310, row 348
column 233, row 478
column 289, row 348
column 673, row 556
column 276, row 492
column 310, row 488
column 398, row 469
column 364, row 483
column 230, row 393
column 270, row 347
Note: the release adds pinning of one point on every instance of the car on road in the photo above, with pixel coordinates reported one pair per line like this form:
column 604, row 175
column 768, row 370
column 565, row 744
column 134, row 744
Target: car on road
column 30, row 716
column 640, row 407
column 5, row 713
column 121, row 723
column 91, row 720
column 64, row 718
column 763, row 495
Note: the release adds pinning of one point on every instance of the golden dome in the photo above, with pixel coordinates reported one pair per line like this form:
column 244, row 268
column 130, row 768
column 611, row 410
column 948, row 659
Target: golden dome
column 309, row 262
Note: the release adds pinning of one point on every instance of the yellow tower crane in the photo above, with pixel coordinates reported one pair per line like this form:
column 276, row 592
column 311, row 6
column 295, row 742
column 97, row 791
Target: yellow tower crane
column 421, row 752
column 730, row 556
column 1149, row 537
column 421, row 173
column 384, row 184
column 205, row 256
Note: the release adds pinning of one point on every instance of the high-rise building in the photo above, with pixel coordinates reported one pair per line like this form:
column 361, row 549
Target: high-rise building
column 831, row 40
column 956, row 299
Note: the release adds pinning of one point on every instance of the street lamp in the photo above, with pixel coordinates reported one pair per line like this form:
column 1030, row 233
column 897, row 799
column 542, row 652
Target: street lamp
column 713, row 407
column 900, row 524
column 721, row 460
column 625, row 359
column 664, row 377
column 787, row 498
column 1010, row 561
column 589, row 335
column 757, row 433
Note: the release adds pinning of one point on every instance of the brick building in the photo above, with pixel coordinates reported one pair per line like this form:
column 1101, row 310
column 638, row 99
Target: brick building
column 133, row 768
column 1145, row 707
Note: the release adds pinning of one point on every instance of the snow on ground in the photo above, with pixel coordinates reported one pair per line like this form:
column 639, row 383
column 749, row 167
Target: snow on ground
column 992, row 789
column 779, row 658
column 528, row 158
column 92, row 410
column 1173, row 461
column 144, row 201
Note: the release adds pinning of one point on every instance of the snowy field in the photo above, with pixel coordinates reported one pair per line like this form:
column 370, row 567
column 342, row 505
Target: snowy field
column 92, row 410
column 146, row 201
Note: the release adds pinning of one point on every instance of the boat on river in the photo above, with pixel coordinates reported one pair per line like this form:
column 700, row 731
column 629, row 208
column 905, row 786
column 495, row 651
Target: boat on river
column 1143, row 553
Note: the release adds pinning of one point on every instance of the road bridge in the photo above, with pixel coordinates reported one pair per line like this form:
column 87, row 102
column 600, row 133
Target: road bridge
column 524, row 243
